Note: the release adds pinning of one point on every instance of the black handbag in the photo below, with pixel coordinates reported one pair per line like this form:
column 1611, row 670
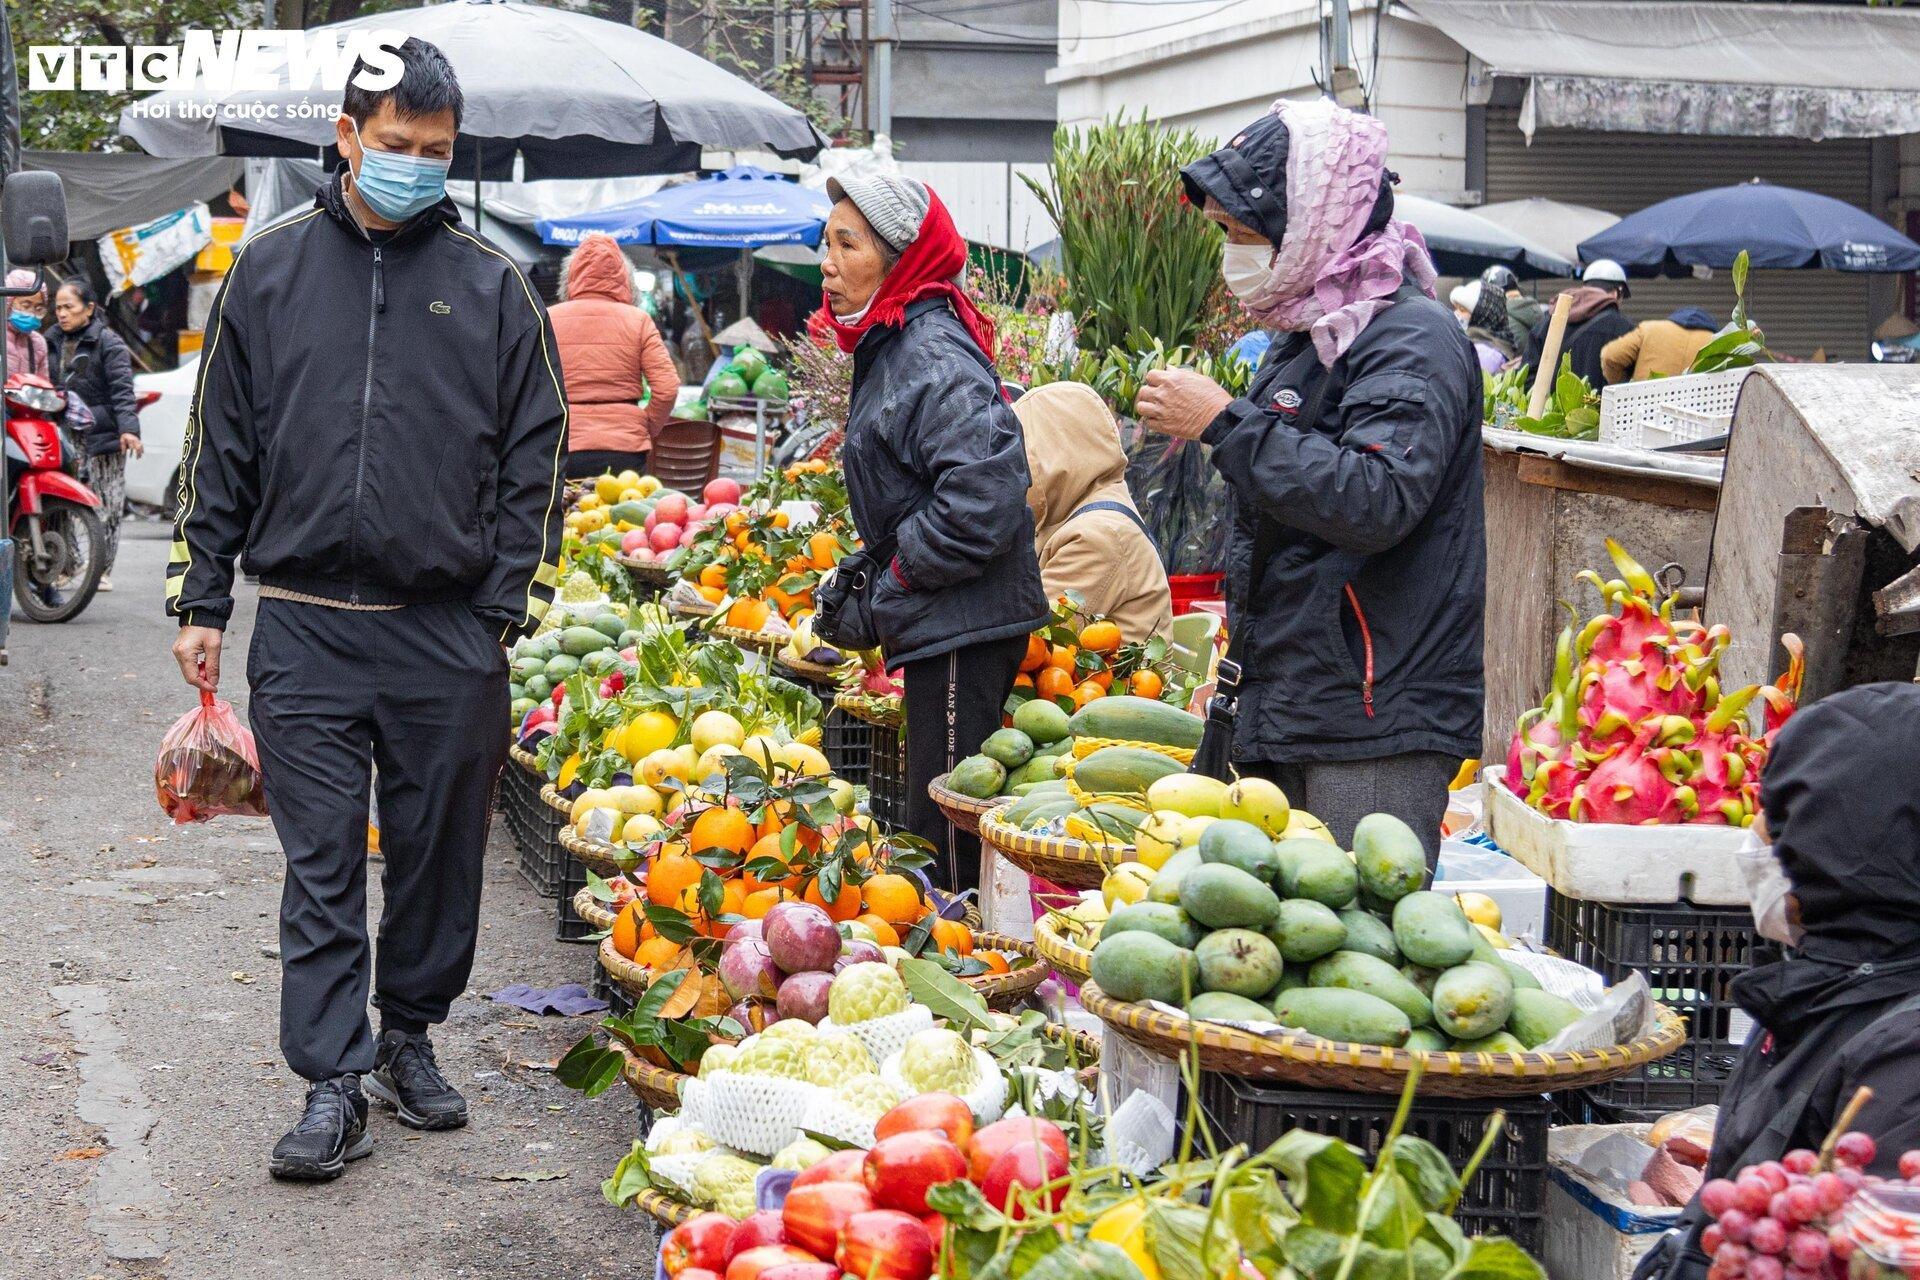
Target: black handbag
column 1214, row 756
column 843, row 604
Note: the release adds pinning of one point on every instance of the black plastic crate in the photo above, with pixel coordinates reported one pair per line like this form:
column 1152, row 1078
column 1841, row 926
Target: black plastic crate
column 847, row 743
column 619, row 1003
column 1690, row 956
column 887, row 776
column 1508, row 1193
column 537, row 832
column 569, row 927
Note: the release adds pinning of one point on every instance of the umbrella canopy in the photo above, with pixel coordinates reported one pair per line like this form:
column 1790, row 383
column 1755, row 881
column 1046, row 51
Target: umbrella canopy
column 574, row 96
column 742, row 208
column 1777, row 226
column 1552, row 223
column 1464, row 244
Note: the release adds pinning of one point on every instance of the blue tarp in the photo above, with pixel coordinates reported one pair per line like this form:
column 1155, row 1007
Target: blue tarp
column 742, row 208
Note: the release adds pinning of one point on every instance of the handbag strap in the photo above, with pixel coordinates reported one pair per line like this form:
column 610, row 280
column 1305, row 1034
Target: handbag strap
column 1266, row 539
column 1120, row 508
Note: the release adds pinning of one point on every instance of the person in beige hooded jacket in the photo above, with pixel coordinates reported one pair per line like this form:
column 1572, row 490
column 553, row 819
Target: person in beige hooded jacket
column 1088, row 533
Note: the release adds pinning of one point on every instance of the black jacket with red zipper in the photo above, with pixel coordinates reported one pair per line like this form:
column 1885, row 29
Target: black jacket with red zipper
column 1364, row 638
column 379, row 419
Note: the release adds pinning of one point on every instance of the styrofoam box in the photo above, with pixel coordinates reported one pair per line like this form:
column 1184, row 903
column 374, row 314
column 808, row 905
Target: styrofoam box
column 1592, row 1233
column 1602, row 862
column 1519, row 893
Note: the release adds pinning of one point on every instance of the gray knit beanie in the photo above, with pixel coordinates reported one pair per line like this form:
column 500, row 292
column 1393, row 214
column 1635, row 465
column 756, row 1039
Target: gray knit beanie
column 893, row 205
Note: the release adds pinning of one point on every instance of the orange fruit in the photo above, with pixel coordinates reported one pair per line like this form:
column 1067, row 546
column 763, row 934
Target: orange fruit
column 657, row 953
column 721, row 828
column 1023, row 681
column 714, row 575
column 1146, row 683
column 1100, row 637
column 1036, row 653
column 748, row 614
column 781, row 519
column 893, row 897
column 1086, row 692
column 886, row 933
column 951, row 935
column 844, row 907
column 823, row 550
column 626, row 930
column 712, row 595
column 757, row 903
column 767, row 846
column 1103, row 678
column 995, row 962
column 671, row 877
column 1052, row 682
column 1062, row 657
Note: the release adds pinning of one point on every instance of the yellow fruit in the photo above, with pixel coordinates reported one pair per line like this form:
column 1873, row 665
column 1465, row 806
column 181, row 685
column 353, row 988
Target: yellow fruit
column 844, row 796
column 805, row 760
column 646, row 733
column 568, row 767
column 1158, row 837
column 629, row 479
column 631, row 495
column 1469, row 770
column 1125, row 1228
column 1126, row 883
column 591, row 502
column 689, row 758
column 635, row 800
column 1302, row 825
column 1258, row 801
column 1190, row 833
column 713, row 760
column 658, row 766
column 648, row 486
column 712, row 728
column 1192, row 794
column 1479, row 908
column 1496, row 939
column 607, row 489
column 640, row 828
column 763, row 749
column 591, row 798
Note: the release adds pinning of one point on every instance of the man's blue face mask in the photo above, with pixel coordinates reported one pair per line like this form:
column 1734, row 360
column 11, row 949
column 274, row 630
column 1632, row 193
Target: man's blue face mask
column 398, row 186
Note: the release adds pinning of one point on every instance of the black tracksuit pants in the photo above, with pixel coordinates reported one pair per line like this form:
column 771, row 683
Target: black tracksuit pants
column 953, row 701
column 422, row 693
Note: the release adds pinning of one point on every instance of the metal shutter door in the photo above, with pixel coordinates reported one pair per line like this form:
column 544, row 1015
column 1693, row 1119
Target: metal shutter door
column 1801, row 311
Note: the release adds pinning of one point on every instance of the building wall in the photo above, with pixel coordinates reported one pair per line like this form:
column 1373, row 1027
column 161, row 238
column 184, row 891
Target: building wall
column 973, row 85
column 1224, row 68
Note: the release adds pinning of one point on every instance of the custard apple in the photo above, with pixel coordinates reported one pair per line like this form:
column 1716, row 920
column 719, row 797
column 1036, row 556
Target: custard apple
column 684, row 1142
column 778, row 1056
column 939, row 1061
column 868, row 1097
column 719, row 1057
column 865, row 991
column 579, row 588
column 724, row 1183
column 803, row 1153
column 790, row 1028
column 836, row 1057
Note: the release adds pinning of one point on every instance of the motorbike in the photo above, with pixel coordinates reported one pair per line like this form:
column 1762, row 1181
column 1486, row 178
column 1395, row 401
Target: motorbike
column 54, row 519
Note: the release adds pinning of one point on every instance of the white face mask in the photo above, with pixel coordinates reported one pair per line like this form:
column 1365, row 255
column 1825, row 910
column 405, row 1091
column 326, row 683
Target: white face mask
column 1767, row 890
column 1245, row 267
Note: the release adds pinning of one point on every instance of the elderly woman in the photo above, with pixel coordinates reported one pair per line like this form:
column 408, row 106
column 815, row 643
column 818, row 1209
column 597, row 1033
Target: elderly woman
column 611, row 353
column 1356, row 566
column 91, row 362
column 1833, row 873
column 26, row 317
column 946, row 582
column 1090, row 540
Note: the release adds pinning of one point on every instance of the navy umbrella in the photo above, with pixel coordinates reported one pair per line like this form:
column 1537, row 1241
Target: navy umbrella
column 742, row 208
column 1777, row 226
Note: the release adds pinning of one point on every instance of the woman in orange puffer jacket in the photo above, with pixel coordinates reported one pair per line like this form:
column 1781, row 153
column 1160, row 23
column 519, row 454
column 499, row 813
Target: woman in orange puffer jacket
column 611, row 353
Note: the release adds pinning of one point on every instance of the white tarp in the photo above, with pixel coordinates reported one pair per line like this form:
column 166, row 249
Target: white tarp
column 1726, row 69
column 138, row 254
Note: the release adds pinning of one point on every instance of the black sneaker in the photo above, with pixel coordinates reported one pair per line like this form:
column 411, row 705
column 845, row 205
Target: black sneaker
column 406, row 1078
column 332, row 1132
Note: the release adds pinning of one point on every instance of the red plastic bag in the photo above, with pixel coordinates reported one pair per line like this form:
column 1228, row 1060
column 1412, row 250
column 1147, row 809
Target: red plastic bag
column 208, row 766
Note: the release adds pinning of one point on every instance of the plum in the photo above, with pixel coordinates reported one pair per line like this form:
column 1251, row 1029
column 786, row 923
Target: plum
column 801, row 937
column 804, row 996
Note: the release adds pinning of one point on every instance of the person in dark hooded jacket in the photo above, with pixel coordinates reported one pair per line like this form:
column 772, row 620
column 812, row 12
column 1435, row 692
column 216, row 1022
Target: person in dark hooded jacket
column 1356, row 565
column 1593, row 320
column 1840, row 888
column 937, row 481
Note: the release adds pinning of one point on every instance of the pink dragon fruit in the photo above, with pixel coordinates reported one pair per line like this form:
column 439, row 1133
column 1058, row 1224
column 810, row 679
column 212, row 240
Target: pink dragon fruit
column 1634, row 784
column 1783, row 695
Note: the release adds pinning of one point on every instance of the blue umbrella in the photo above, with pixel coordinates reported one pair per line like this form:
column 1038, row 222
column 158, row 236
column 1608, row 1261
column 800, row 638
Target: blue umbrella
column 742, row 208
column 1777, row 226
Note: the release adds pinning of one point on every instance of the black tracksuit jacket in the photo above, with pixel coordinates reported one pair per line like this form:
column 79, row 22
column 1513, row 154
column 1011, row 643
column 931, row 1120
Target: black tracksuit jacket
column 378, row 420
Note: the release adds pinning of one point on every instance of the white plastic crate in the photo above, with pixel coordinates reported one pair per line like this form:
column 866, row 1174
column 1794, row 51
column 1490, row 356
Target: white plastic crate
column 1663, row 411
column 1603, row 862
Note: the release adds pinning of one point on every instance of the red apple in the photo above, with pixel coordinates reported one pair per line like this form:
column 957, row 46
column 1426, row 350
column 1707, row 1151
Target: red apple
column 632, row 540
column 884, row 1245
column 802, row 1271
column 813, row 1216
column 1027, row 1131
column 696, row 513
column 1026, row 1166
column 671, row 509
column 901, row 1170
column 930, row 1112
column 762, row 1228
column 755, row 1263
column 721, row 489
column 665, row 536
column 704, row 1240
column 700, row 1273
column 653, row 518
column 841, row 1166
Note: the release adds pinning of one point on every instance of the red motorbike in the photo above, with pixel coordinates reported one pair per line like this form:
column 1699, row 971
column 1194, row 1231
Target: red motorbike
column 59, row 539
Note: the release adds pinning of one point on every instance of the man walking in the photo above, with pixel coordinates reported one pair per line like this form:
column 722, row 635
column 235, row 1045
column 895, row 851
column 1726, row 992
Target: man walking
column 378, row 430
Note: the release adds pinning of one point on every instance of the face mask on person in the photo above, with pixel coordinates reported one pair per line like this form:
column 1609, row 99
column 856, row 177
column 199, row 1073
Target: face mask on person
column 398, row 186
column 24, row 321
column 1767, row 891
column 1245, row 267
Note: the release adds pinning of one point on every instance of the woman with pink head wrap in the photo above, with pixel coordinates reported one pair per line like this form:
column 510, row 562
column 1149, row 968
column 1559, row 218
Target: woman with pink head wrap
column 26, row 317
column 1356, row 566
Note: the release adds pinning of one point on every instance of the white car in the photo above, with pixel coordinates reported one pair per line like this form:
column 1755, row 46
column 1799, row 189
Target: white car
column 164, row 399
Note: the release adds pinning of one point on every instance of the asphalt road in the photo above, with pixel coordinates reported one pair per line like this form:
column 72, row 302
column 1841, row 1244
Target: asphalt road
column 141, row 1085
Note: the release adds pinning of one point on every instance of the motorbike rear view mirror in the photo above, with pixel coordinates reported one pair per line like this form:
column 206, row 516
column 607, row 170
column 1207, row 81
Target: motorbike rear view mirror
column 33, row 219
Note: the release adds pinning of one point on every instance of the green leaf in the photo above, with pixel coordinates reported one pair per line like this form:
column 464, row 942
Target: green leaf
column 1425, row 1170
column 597, row 887
column 630, row 1177
column 1324, row 1176
column 828, row 1141
column 670, row 923
column 1032, row 1247
column 1255, row 1210
column 1496, row 1258
column 713, row 893
column 589, row 1067
column 647, row 1008
column 962, row 1203
column 1394, row 1214
column 1742, row 263
column 1313, row 1252
column 945, row 995
column 1175, row 1240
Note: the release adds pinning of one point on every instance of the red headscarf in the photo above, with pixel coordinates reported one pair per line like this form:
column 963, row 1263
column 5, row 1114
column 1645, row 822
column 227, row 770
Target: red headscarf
column 927, row 269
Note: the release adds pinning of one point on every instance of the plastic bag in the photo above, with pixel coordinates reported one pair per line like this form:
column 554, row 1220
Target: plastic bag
column 1183, row 500
column 208, row 766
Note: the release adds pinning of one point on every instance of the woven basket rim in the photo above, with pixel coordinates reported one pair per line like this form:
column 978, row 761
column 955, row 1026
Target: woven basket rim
column 551, row 795
column 1084, row 747
column 657, row 1086
column 652, row 570
column 591, row 854
column 524, row 758
column 748, row 639
column 1057, row 951
column 810, row 670
column 1150, row 1026
column 1008, row 838
column 628, row 976
column 663, row 1208
column 947, row 798
column 688, row 611
column 593, row 911
column 861, row 709
column 1013, row 984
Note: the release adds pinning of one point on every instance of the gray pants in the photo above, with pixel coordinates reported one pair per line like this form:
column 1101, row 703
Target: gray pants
column 1411, row 787
column 107, row 475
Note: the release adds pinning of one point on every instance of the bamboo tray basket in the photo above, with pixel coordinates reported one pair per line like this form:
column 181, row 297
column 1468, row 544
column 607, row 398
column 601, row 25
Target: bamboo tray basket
column 1069, row 961
column 962, row 811
column 591, row 854
column 593, row 911
column 1004, row 990
column 1071, row 864
column 679, row 610
column 663, row 1209
column 526, row 760
column 1296, row 1058
column 652, row 573
column 809, row 670
column 863, row 710
column 761, row 641
column 656, row 1086
column 562, row 807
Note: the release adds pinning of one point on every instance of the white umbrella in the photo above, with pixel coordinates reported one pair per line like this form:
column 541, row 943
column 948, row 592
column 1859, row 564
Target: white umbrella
column 1553, row 223
column 1465, row 244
